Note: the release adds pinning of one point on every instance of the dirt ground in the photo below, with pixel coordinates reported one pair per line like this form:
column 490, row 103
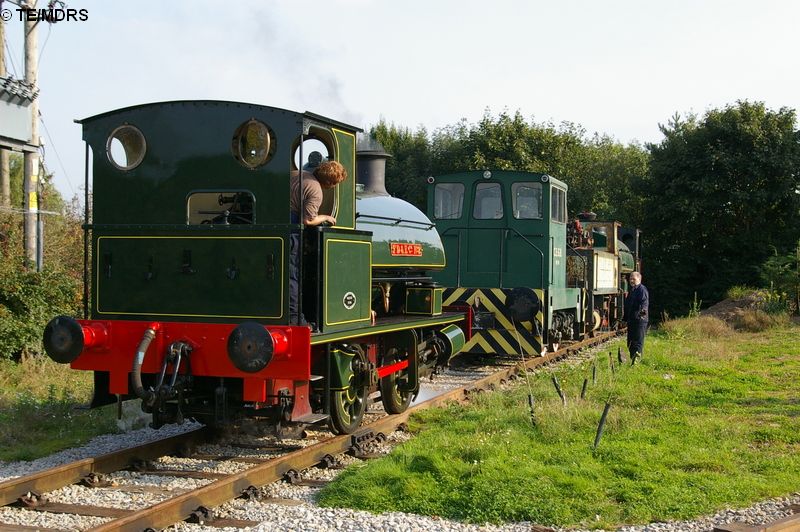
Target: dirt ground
column 728, row 308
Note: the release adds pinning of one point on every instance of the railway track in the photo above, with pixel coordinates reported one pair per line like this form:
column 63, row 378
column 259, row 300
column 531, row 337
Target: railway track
column 217, row 488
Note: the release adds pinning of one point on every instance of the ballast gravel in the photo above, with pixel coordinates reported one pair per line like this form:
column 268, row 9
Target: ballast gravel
column 283, row 506
column 98, row 446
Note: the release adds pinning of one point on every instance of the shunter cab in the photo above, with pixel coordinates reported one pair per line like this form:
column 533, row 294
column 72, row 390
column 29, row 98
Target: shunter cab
column 504, row 234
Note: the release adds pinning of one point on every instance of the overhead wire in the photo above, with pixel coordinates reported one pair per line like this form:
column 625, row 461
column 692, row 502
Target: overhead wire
column 10, row 55
column 41, row 52
column 58, row 157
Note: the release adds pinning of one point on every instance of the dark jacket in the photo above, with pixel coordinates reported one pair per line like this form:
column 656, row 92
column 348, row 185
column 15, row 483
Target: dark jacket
column 636, row 304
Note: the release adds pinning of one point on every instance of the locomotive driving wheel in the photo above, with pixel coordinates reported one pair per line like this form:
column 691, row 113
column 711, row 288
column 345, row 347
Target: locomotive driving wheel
column 394, row 400
column 348, row 405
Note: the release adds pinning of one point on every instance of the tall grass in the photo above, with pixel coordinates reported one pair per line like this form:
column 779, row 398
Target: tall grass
column 699, row 327
column 740, row 292
column 757, row 320
column 40, row 409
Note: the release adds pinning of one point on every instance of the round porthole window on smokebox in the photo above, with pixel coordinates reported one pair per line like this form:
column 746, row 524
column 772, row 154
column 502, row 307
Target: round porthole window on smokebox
column 253, row 144
column 126, row 147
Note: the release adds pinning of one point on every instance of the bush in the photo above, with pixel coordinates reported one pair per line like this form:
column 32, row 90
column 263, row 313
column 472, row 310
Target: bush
column 757, row 320
column 773, row 302
column 697, row 327
column 29, row 299
column 782, row 273
column 740, row 291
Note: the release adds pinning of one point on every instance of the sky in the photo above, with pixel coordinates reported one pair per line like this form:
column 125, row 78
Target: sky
column 616, row 67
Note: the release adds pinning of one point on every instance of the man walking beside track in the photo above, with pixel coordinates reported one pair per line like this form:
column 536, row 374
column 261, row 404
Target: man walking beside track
column 636, row 315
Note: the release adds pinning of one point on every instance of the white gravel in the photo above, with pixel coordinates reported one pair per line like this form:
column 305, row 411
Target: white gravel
column 758, row 514
column 98, row 446
column 18, row 516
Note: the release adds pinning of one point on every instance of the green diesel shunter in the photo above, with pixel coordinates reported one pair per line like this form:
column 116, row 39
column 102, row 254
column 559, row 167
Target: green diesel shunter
column 508, row 241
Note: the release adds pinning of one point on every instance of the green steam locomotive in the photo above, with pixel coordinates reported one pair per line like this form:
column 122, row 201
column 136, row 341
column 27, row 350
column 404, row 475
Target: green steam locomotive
column 186, row 299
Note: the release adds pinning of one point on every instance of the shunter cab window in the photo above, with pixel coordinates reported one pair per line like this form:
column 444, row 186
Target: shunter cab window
column 527, row 200
column 488, row 202
column 558, row 205
column 448, row 199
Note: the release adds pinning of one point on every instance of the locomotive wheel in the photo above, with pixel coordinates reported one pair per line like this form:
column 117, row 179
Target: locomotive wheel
column 394, row 401
column 348, row 405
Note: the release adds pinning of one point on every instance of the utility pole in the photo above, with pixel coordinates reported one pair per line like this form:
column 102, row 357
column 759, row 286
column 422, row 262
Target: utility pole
column 31, row 179
column 5, row 156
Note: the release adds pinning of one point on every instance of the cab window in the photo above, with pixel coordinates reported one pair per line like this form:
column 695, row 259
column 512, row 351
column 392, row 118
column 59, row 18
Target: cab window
column 448, row 201
column 558, row 205
column 231, row 207
column 317, row 149
column 527, row 200
column 253, row 144
column 488, row 202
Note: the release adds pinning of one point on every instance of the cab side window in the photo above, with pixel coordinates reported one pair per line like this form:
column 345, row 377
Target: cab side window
column 448, row 199
column 558, row 205
column 527, row 200
column 317, row 150
column 488, row 202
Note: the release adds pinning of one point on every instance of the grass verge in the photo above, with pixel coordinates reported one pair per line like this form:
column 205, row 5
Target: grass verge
column 705, row 421
column 39, row 409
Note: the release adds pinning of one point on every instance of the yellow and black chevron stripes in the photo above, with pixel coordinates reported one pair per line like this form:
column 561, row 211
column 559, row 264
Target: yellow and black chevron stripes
column 499, row 342
column 510, row 337
column 477, row 344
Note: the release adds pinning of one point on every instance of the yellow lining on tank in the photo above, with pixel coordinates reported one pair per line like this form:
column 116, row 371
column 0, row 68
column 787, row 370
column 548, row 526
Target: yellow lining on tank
column 369, row 282
column 97, row 295
column 353, row 177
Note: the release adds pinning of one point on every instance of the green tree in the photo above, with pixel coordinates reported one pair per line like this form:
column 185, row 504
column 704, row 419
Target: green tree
column 599, row 170
column 720, row 198
column 410, row 162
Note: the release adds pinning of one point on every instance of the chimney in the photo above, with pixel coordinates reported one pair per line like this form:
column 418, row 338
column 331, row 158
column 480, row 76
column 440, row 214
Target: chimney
column 371, row 159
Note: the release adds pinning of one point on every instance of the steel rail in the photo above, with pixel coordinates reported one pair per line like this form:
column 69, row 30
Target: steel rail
column 220, row 491
column 70, row 473
column 790, row 523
